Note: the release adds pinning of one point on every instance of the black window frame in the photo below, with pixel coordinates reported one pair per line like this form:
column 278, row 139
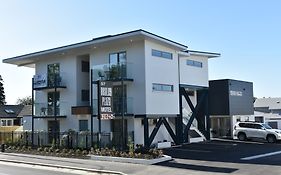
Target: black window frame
column 118, row 57
column 194, row 63
column 162, row 54
column 161, row 87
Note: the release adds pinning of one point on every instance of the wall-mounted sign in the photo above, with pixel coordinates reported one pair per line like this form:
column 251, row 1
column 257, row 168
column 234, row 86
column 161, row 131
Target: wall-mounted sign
column 40, row 81
column 236, row 93
column 106, row 101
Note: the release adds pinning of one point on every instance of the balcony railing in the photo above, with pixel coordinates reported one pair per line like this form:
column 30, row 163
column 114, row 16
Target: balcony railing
column 49, row 110
column 117, row 106
column 112, row 72
column 44, row 81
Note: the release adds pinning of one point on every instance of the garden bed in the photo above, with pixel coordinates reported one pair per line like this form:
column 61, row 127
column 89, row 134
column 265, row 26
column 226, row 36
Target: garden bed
column 139, row 156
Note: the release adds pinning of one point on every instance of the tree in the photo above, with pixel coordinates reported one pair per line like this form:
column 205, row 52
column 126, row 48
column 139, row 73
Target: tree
column 24, row 101
column 2, row 93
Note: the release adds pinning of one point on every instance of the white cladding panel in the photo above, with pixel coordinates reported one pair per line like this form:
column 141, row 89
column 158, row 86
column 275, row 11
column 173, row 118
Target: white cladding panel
column 135, row 58
column 162, row 71
column 68, row 66
column 190, row 75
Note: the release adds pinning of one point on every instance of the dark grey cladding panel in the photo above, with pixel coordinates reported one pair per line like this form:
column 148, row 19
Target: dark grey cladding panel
column 218, row 97
column 230, row 97
column 241, row 98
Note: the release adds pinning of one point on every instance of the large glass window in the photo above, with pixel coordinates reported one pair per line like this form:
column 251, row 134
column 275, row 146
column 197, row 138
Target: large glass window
column 194, row 63
column 52, row 96
column 117, row 99
column 162, row 54
column 53, row 74
column 162, row 87
column 117, row 58
column 117, row 62
column 83, row 125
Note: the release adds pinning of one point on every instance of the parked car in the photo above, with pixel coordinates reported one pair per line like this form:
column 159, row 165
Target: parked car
column 249, row 130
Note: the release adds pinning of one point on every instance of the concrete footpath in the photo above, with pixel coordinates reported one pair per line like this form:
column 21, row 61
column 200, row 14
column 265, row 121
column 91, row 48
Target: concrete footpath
column 90, row 165
column 177, row 166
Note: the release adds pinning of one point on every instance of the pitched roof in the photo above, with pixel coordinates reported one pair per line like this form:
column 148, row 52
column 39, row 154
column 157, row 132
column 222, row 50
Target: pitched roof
column 271, row 103
column 14, row 111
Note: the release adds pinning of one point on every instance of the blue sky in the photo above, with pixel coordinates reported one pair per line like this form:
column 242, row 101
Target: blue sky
column 246, row 33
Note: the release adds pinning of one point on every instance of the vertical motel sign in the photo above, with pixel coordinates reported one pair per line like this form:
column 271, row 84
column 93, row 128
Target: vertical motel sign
column 106, row 101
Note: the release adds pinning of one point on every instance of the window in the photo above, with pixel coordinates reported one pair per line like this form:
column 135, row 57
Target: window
column 53, row 74
column 85, row 66
column 9, row 111
column 6, row 122
column 162, row 54
column 117, row 58
column 162, row 87
column 194, row 63
column 83, row 125
column 52, row 96
column 85, row 95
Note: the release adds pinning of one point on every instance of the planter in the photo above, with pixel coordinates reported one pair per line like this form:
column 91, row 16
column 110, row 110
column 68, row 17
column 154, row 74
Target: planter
column 131, row 160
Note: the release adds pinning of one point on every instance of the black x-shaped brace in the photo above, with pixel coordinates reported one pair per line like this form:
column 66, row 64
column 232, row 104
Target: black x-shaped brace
column 195, row 110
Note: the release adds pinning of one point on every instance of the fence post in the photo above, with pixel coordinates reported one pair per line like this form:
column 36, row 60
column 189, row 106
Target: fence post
column 77, row 141
column 68, row 140
column 86, row 141
column 38, row 140
column 12, row 137
column 26, row 138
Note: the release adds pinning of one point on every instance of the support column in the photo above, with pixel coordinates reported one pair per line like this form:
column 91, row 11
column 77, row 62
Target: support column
column 208, row 120
column 32, row 114
column 179, row 122
column 146, row 132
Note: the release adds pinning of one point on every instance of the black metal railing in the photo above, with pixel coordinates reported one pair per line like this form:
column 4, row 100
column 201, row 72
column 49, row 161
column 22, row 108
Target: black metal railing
column 70, row 139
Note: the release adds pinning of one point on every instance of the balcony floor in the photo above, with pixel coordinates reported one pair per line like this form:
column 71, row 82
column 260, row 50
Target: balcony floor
column 50, row 116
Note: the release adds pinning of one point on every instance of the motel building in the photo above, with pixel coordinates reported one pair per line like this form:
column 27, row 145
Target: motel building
column 144, row 86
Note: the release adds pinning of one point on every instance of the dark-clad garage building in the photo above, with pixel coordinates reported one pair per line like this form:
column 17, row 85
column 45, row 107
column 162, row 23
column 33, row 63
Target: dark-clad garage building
column 228, row 99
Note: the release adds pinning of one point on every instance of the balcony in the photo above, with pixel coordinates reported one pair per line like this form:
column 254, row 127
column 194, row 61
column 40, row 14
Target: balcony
column 117, row 106
column 49, row 81
column 115, row 72
column 47, row 110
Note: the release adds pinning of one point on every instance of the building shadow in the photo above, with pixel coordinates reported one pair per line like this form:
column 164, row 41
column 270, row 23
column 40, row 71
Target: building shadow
column 173, row 164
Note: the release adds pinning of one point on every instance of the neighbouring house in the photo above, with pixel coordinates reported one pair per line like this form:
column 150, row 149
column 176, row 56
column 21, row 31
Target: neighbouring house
column 159, row 87
column 268, row 105
column 230, row 101
column 11, row 117
column 270, row 110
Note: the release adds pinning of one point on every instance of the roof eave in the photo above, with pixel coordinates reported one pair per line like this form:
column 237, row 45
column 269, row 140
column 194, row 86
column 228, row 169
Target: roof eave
column 16, row 60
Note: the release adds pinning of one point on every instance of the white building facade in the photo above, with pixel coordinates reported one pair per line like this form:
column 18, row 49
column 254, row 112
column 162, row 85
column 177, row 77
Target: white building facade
column 153, row 70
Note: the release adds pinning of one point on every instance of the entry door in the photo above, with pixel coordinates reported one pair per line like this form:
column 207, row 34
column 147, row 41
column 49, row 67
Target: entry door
column 53, row 129
column 116, row 126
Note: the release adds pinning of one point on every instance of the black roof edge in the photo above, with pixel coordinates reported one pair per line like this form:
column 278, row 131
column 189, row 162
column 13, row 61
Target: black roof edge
column 227, row 79
column 94, row 39
column 196, row 51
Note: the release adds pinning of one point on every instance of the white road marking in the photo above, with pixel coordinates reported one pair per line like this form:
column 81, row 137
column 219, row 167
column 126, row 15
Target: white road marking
column 261, row 155
column 63, row 170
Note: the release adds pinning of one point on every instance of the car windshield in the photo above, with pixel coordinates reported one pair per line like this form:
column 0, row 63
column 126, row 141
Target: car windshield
column 266, row 126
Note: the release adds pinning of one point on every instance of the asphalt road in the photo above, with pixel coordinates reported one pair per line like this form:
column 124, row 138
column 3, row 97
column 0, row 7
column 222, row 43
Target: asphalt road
column 227, row 157
column 16, row 170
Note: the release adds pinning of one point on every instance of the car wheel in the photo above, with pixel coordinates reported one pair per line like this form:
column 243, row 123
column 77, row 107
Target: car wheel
column 242, row 136
column 271, row 139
